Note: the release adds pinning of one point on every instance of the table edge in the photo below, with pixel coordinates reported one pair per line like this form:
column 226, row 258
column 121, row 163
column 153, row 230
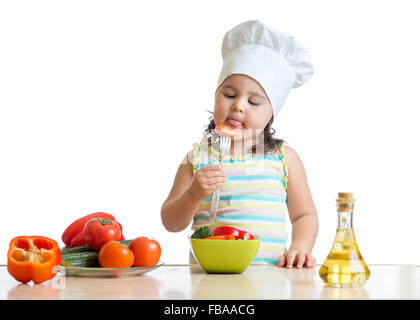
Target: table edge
column 267, row 265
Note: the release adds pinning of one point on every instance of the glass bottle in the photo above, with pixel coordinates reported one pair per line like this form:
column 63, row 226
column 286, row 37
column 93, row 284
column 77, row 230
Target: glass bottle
column 344, row 266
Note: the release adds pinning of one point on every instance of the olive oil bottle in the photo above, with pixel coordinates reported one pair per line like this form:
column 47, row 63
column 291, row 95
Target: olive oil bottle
column 344, row 266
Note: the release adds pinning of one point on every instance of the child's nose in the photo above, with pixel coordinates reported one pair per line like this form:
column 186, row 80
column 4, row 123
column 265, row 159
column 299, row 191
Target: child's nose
column 237, row 107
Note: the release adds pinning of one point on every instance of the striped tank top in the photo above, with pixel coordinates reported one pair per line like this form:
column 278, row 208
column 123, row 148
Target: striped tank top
column 253, row 198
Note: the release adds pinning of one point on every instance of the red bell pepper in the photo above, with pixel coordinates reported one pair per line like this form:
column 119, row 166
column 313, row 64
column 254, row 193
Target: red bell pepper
column 226, row 230
column 33, row 258
column 78, row 240
column 73, row 235
column 119, row 224
column 221, row 237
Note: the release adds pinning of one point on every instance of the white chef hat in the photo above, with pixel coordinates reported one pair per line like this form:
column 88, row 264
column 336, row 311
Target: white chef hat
column 273, row 58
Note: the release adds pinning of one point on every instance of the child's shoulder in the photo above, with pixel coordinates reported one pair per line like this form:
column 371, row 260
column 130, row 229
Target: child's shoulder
column 287, row 150
column 284, row 148
column 291, row 156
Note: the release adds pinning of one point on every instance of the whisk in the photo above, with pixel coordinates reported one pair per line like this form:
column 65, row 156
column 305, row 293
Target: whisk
column 225, row 134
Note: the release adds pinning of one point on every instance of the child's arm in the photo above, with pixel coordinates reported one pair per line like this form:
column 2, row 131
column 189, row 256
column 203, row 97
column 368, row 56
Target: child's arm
column 302, row 212
column 187, row 192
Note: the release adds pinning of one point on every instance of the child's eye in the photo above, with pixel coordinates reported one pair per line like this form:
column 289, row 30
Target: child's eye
column 253, row 103
column 229, row 96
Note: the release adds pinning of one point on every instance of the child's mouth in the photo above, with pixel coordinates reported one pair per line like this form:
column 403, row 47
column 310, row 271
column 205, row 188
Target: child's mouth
column 234, row 123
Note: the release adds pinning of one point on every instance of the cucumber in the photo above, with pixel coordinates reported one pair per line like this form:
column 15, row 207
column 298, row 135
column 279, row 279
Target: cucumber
column 65, row 263
column 81, row 259
column 83, row 256
column 87, row 248
column 76, row 249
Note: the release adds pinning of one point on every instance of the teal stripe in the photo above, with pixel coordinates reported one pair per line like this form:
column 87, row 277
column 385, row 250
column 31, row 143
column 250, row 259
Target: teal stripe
column 252, row 158
column 232, row 161
column 238, row 197
column 254, row 177
column 242, row 217
column 201, row 165
column 266, row 260
column 276, row 240
column 247, row 158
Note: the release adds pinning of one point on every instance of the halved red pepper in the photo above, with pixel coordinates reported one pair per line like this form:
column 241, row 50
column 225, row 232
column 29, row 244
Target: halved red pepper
column 221, row 237
column 33, row 258
column 73, row 235
column 226, row 230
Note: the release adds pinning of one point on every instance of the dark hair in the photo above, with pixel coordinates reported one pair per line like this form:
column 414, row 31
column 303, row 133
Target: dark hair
column 270, row 143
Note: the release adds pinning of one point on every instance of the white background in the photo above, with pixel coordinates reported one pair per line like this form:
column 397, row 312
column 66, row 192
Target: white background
column 100, row 101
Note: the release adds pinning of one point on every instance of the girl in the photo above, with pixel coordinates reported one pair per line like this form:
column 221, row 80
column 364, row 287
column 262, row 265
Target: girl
column 262, row 177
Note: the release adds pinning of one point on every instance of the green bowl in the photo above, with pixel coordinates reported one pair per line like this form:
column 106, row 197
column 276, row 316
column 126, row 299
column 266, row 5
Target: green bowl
column 224, row 256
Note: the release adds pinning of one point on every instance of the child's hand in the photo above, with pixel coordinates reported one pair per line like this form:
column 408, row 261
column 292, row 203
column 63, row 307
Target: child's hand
column 206, row 180
column 294, row 257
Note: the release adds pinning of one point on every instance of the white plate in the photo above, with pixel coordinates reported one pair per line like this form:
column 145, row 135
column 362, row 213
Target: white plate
column 107, row 272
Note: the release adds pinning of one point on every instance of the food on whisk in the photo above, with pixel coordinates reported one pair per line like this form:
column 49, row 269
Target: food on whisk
column 224, row 129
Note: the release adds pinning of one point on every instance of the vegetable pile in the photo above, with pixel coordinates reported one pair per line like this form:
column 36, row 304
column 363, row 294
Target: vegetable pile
column 222, row 233
column 105, row 246
column 95, row 240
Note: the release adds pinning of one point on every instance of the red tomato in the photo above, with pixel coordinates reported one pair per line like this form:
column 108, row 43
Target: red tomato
column 98, row 232
column 115, row 255
column 146, row 252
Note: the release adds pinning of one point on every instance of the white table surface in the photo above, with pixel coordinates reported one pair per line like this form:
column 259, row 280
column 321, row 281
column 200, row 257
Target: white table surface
column 191, row 282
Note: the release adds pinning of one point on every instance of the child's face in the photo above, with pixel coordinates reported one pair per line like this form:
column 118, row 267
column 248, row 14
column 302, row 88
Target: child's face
column 241, row 103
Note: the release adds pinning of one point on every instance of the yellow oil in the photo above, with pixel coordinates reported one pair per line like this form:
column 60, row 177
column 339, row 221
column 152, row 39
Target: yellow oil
column 344, row 266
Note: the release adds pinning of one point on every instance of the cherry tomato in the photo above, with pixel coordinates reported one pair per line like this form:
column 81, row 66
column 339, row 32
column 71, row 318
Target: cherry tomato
column 115, row 255
column 146, row 252
column 98, row 232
